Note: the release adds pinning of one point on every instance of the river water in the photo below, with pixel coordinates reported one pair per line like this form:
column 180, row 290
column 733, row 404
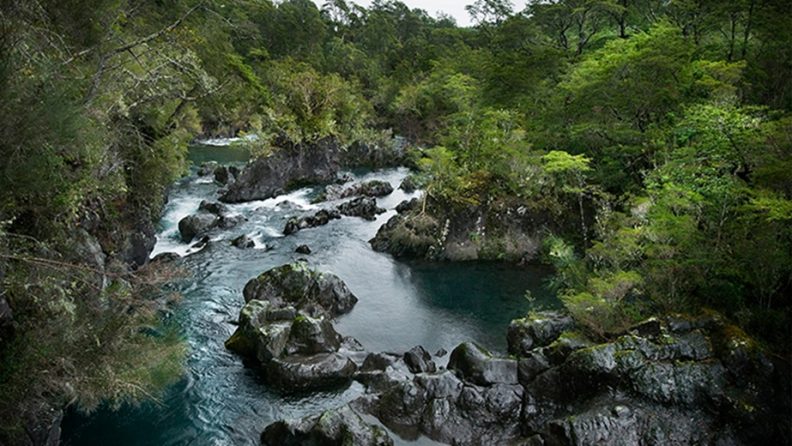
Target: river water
column 220, row 401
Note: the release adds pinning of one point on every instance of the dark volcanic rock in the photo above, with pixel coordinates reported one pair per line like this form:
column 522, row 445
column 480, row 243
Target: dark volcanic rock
column 321, row 218
column 446, row 409
column 193, row 225
column 389, row 153
column 303, row 249
column 218, row 209
column 309, row 336
column 363, row 207
column 290, row 166
column 243, row 242
column 311, row 372
column 441, row 231
column 538, row 330
column 308, row 290
column 474, row 364
column 335, row 427
column 419, row 360
column 373, row 188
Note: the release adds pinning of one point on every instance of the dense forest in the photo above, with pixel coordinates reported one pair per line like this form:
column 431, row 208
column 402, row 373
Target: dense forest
column 657, row 134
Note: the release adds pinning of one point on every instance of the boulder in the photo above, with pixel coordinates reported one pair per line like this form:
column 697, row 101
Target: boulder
column 390, row 152
column 263, row 331
column 290, row 166
column 335, row 427
column 449, row 410
column 409, row 184
column 407, row 205
column 321, row 218
column 363, row 207
column 192, row 226
column 218, row 209
column 419, row 360
column 373, row 188
column 243, row 242
column 303, row 249
column 207, row 168
column 411, row 236
column 310, row 372
column 223, row 175
column 537, row 330
column 309, row 336
column 473, row 363
column 310, row 291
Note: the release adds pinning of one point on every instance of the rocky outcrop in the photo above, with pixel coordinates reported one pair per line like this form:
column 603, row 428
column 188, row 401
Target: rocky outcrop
column 308, row 290
column 243, row 242
column 658, row 384
column 285, row 327
column 675, row 380
column 363, row 207
column 336, row 427
column 497, row 230
column 289, row 166
column 538, row 330
column 225, row 175
column 389, row 153
column 373, row 188
column 320, row 218
column 210, row 216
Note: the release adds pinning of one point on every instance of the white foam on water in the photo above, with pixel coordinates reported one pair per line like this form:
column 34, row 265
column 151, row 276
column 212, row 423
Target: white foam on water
column 225, row 142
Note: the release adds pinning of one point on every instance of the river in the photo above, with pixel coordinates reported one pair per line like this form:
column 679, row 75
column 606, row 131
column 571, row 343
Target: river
column 402, row 304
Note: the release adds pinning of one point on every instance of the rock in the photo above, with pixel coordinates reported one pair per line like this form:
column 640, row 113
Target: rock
column 448, row 410
column 335, row 427
column 218, row 209
column 309, row 336
column 321, row 218
column 409, row 184
column 474, row 364
column 436, row 230
column 440, row 353
column 407, row 205
column 381, row 371
column 373, row 188
column 193, row 225
column 303, row 249
column 312, row 372
column 623, row 421
column 363, row 207
column 207, row 168
column 308, row 290
column 537, row 330
column 263, row 331
column 418, row 360
column 387, row 153
column 291, row 165
column 243, row 242
column 407, row 236
column 223, row 175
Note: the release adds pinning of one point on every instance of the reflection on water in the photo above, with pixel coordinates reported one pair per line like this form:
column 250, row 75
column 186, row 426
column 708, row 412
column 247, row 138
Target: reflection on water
column 220, row 401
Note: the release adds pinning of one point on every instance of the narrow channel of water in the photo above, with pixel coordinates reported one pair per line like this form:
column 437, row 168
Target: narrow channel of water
column 220, row 401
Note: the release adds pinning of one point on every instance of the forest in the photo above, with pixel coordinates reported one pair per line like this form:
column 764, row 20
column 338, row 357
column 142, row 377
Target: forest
column 654, row 137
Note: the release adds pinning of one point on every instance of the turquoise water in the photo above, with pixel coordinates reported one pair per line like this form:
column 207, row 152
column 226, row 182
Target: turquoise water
column 402, row 304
